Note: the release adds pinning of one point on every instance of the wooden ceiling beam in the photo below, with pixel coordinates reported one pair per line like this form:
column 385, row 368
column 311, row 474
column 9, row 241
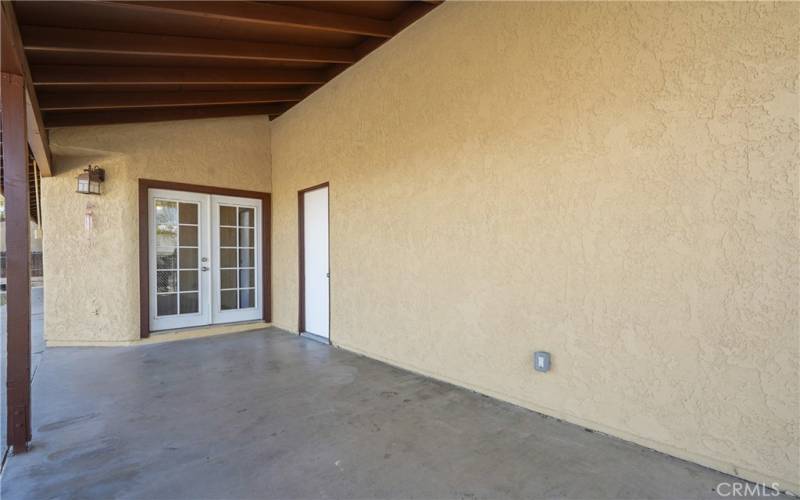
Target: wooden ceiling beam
column 84, row 118
column 53, row 76
column 266, row 14
column 405, row 19
column 48, row 39
column 13, row 61
column 127, row 100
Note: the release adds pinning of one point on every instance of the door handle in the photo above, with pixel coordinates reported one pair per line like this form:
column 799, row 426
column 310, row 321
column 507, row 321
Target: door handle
column 327, row 275
column 204, row 268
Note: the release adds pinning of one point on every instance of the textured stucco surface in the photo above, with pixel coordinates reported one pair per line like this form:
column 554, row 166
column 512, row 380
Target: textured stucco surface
column 92, row 278
column 616, row 184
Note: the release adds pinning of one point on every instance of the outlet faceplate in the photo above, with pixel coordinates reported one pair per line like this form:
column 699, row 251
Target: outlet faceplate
column 541, row 361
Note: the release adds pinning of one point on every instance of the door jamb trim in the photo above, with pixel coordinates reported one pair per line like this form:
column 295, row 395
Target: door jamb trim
column 145, row 185
column 301, row 258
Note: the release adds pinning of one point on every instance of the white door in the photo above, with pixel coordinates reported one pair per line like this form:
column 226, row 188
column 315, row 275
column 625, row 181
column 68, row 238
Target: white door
column 315, row 267
column 236, row 259
column 180, row 283
column 205, row 259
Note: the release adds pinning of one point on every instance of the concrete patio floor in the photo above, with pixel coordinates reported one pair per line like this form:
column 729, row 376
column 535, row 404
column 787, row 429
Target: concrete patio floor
column 267, row 414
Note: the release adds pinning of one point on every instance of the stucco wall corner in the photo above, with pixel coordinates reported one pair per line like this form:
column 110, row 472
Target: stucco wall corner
column 92, row 276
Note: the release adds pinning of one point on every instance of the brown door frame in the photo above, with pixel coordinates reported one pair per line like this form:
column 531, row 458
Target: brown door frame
column 18, row 283
column 301, row 254
column 145, row 185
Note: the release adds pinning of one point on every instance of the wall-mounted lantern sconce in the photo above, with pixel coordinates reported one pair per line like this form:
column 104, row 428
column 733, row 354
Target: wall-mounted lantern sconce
column 91, row 178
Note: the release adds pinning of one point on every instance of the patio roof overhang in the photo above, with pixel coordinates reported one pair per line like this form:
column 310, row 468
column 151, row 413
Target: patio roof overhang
column 106, row 62
column 70, row 63
column 13, row 61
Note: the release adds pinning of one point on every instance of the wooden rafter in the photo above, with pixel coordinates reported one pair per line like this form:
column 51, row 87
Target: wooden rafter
column 125, row 100
column 103, row 61
column 108, row 117
column 268, row 14
column 413, row 12
column 126, row 75
column 46, row 39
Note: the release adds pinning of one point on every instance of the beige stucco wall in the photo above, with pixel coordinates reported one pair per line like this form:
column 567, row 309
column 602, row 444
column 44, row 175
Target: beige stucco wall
column 616, row 184
column 92, row 278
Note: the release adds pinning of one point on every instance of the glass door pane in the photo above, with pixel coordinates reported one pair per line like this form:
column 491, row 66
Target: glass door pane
column 237, row 257
column 177, row 258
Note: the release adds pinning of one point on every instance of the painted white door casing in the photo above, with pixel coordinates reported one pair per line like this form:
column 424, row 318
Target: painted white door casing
column 316, row 271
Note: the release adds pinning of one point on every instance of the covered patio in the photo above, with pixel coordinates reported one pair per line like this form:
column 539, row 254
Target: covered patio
column 268, row 414
column 400, row 249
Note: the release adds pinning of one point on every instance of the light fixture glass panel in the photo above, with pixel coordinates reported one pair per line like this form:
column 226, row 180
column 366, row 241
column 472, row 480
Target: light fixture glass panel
column 167, row 305
column 228, row 299
column 227, row 216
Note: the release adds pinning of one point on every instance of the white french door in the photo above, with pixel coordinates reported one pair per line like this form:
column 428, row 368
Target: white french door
column 205, row 259
column 236, row 259
column 180, row 285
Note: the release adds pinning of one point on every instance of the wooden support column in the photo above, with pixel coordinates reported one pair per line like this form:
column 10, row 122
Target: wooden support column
column 18, row 285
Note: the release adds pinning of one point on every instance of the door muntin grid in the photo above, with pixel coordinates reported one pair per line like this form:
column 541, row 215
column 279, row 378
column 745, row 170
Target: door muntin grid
column 237, row 257
column 177, row 236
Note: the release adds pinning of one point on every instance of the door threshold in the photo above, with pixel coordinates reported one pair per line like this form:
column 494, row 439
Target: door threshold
column 207, row 328
column 203, row 331
column 316, row 338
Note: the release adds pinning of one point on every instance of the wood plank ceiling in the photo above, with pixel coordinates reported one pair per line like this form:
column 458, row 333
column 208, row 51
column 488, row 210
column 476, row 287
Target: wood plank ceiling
column 104, row 62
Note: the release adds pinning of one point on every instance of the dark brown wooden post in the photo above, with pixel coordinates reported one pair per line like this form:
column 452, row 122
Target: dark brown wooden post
column 18, row 292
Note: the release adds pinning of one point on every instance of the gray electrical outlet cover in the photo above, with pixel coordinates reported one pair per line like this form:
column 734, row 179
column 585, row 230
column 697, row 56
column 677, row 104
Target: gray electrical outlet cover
column 541, row 361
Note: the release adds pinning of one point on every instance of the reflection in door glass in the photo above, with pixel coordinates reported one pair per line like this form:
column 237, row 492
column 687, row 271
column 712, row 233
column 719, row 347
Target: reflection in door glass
column 177, row 248
column 246, row 217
